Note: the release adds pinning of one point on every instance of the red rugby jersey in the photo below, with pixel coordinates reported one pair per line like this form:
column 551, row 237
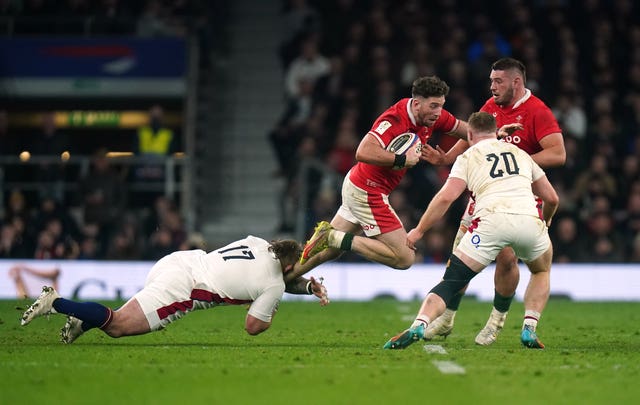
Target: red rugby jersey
column 396, row 120
column 532, row 113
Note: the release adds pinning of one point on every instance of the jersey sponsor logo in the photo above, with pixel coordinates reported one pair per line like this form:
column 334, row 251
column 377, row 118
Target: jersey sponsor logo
column 383, row 126
column 371, row 183
column 515, row 139
column 519, row 118
column 475, row 240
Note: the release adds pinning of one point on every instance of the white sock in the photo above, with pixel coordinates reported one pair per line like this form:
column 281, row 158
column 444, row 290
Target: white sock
column 531, row 318
column 335, row 238
column 421, row 320
column 497, row 314
column 448, row 315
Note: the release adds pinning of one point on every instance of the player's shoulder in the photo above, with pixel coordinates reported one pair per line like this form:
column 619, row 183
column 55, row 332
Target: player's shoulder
column 393, row 120
column 536, row 104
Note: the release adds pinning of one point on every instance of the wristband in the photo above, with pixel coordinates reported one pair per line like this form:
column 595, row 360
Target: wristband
column 309, row 289
column 399, row 162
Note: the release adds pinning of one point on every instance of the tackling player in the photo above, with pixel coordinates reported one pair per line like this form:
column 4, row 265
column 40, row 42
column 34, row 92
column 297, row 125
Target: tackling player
column 248, row 271
column 503, row 179
column 541, row 137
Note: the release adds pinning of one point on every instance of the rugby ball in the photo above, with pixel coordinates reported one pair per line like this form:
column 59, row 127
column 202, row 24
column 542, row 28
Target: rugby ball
column 401, row 143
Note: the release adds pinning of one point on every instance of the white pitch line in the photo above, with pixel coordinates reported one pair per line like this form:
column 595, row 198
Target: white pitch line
column 449, row 367
column 444, row 366
column 437, row 349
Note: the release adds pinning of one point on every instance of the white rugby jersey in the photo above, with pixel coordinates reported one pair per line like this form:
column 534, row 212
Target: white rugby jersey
column 244, row 271
column 499, row 176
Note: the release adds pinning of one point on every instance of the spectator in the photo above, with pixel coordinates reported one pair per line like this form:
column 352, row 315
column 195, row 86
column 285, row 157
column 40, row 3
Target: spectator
column 50, row 142
column 154, row 141
column 309, row 66
column 102, row 195
column 160, row 245
column 89, row 249
column 300, row 20
column 10, row 247
column 567, row 247
column 606, row 244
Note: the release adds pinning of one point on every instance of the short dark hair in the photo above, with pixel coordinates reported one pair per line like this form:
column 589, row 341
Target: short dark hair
column 482, row 122
column 429, row 86
column 510, row 64
column 286, row 250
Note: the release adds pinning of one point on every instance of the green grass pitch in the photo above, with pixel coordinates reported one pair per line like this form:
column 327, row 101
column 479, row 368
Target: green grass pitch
column 331, row 355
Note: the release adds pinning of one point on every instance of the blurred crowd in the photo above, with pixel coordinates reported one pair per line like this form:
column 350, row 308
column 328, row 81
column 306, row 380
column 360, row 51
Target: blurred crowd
column 346, row 61
column 95, row 215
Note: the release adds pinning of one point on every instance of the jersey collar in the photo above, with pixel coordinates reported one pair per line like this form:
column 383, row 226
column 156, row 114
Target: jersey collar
column 411, row 117
column 527, row 95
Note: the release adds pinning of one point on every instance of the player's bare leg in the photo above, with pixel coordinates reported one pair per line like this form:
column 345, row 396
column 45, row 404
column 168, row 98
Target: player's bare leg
column 460, row 269
column 535, row 298
column 326, row 255
column 389, row 249
column 506, row 278
column 128, row 320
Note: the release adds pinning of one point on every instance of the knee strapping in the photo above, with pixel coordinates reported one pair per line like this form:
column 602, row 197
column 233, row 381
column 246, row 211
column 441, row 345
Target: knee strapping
column 456, row 277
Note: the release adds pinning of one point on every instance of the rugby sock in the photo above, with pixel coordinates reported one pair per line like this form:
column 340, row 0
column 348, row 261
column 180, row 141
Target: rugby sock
column 341, row 240
column 92, row 314
column 448, row 315
column 531, row 318
column 500, row 302
column 454, row 302
column 421, row 320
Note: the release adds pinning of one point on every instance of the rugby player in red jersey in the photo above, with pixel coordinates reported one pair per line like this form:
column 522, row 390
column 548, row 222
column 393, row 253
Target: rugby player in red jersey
column 539, row 135
column 366, row 188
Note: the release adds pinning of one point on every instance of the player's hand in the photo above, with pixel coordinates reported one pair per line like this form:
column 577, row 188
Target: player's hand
column 436, row 156
column 509, row 129
column 413, row 236
column 413, row 157
column 320, row 291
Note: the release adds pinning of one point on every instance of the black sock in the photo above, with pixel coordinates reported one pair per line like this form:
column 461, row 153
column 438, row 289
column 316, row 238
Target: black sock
column 454, row 303
column 92, row 314
column 502, row 303
column 346, row 241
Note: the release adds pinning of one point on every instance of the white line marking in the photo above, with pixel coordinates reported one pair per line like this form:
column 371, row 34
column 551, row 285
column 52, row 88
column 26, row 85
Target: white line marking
column 449, row 367
column 434, row 349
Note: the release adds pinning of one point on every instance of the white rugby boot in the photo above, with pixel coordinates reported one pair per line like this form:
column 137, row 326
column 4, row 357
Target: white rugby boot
column 41, row 306
column 441, row 326
column 492, row 329
column 71, row 330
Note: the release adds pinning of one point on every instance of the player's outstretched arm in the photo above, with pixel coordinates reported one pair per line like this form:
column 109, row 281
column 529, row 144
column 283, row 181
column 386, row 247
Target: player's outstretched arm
column 304, row 286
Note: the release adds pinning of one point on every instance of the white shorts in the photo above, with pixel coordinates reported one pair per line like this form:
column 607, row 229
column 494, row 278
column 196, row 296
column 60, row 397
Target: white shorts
column 167, row 292
column 487, row 236
column 370, row 210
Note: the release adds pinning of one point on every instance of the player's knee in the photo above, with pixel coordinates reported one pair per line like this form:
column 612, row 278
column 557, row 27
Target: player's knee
column 405, row 260
column 456, row 277
column 506, row 260
column 114, row 332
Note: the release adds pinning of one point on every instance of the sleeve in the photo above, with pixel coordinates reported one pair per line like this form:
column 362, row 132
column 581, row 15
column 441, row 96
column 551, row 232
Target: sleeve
column 267, row 303
column 459, row 168
column 385, row 128
column 545, row 122
column 446, row 123
column 536, row 171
